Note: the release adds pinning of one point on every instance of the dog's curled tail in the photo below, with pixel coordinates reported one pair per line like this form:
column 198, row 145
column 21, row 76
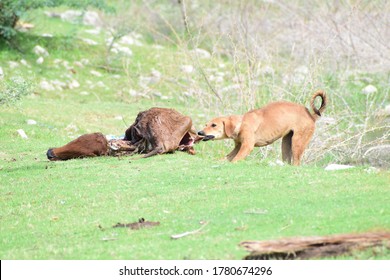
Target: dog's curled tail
column 324, row 99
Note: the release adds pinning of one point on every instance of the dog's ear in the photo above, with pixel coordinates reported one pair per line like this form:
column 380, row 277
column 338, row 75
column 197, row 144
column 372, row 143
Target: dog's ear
column 230, row 126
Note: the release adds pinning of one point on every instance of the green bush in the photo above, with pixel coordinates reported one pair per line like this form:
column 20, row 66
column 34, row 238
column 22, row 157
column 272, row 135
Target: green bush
column 12, row 10
column 14, row 89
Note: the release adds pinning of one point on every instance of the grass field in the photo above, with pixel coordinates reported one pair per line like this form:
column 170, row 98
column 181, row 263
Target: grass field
column 67, row 210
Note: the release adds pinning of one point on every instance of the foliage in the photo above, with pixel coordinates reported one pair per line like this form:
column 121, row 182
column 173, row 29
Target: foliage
column 14, row 89
column 12, row 10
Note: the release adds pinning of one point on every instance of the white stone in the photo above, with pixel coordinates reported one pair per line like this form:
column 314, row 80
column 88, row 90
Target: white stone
column 71, row 16
column 73, row 84
column 22, row 133
column 1, row 73
column 122, row 49
column 38, row 50
column 92, row 18
column 100, row 84
column 369, row 89
column 277, row 162
column 131, row 39
column 47, row 35
column 45, row 85
column 95, row 31
column 25, row 63
column 59, row 84
column 31, row 122
column 13, row 64
column 90, row 41
column 334, row 166
column 201, row 53
column 187, row 68
column 84, row 61
column 96, row 73
column 78, row 64
column 40, row 60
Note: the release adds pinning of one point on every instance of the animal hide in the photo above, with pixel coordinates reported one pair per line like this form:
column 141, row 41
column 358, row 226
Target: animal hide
column 155, row 131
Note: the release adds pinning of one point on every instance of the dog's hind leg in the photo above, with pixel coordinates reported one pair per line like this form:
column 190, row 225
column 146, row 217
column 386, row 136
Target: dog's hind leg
column 286, row 147
column 299, row 142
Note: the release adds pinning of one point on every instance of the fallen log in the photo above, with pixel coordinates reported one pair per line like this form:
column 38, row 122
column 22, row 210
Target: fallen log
column 314, row 247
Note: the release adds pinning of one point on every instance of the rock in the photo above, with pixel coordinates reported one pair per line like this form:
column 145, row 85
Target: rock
column 1, row 73
column 78, row 64
column 25, row 63
column 92, row 18
column 73, row 84
column 372, row 170
column 278, row 162
column 387, row 110
column 100, row 84
column 71, row 16
column 155, row 76
column 47, row 35
column 369, row 89
column 31, row 122
column 40, row 51
column 334, row 166
column 90, row 41
column 40, row 60
column 96, row 73
column 59, row 84
column 378, row 156
column 22, row 133
column 121, row 49
column 84, row 61
column 95, row 31
column 201, row 53
column 45, row 85
column 13, row 64
column 130, row 40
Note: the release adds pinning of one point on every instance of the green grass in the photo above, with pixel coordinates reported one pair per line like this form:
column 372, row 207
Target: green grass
column 66, row 210
column 54, row 210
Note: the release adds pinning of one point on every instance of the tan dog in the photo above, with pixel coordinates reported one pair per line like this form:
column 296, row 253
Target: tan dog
column 260, row 127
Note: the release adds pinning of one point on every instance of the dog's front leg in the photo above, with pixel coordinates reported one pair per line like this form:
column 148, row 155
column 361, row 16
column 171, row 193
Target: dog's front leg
column 247, row 145
column 233, row 153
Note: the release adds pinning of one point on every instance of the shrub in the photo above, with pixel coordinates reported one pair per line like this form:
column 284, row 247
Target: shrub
column 12, row 10
column 14, row 89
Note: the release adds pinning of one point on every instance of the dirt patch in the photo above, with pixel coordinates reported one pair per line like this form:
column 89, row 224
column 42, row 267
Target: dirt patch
column 138, row 225
column 314, row 247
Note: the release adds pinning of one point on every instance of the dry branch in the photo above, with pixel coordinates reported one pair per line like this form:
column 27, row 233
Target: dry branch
column 314, row 247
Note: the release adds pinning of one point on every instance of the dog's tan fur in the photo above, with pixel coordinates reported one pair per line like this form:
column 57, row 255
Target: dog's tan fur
column 260, row 127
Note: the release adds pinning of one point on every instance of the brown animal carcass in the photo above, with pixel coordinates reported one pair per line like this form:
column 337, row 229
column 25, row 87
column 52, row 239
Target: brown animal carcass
column 155, row 131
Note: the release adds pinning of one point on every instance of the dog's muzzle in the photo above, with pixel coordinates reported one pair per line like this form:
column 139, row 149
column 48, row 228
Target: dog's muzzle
column 205, row 137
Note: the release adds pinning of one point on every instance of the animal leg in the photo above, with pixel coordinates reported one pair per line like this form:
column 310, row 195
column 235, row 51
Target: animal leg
column 233, row 153
column 286, row 147
column 299, row 142
column 246, row 147
column 155, row 151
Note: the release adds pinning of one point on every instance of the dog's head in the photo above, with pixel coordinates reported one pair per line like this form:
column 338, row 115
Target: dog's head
column 221, row 128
